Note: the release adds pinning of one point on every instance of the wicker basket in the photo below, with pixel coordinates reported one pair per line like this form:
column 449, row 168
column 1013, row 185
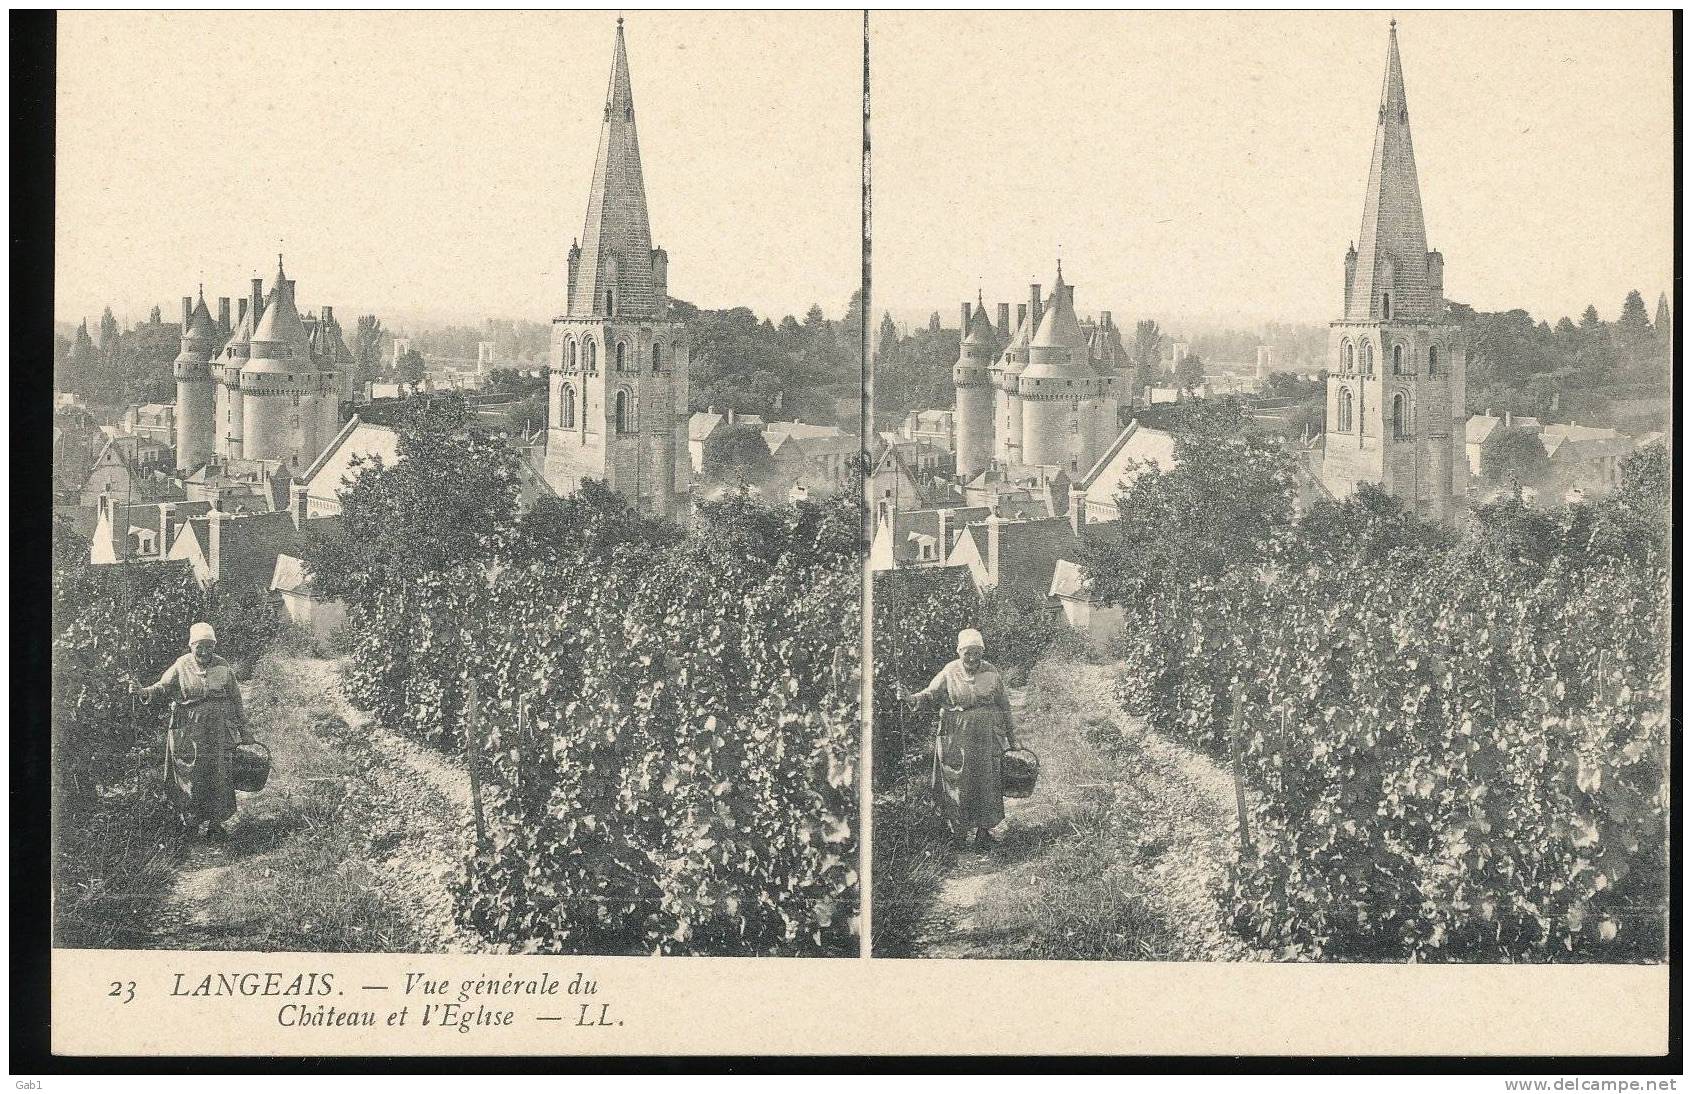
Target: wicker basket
column 1019, row 772
column 249, row 766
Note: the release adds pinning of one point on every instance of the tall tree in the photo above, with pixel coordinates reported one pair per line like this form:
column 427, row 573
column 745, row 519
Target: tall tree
column 367, row 349
column 1148, row 343
column 108, row 333
column 1222, row 504
column 411, row 368
column 886, row 338
column 1189, row 372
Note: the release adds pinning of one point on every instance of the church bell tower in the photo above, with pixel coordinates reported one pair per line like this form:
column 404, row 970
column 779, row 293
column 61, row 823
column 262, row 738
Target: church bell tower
column 1395, row 409
column 618, row 385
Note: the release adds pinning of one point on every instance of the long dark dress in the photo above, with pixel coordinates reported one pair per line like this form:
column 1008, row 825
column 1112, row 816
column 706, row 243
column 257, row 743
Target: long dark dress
column 206, row 724
column 975, row 724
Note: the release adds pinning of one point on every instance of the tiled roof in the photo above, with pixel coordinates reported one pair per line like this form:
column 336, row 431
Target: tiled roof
column 325, row 477
column 702, row 424
column 1392, row 210
column 616, row 226
column 926, row 522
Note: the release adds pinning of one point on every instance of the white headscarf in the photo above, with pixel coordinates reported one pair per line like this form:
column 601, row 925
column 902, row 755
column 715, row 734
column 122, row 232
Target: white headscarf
column 201, row 632
column 970, row 638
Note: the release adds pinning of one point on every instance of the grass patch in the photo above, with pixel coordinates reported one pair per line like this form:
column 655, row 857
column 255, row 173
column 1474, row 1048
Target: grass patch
column 912, row 854
column 115, row 850
column 302, row 879
column 1080, row 900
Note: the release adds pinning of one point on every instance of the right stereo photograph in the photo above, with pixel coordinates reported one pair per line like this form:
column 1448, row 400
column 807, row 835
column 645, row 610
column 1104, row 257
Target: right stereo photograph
column 1270, row 511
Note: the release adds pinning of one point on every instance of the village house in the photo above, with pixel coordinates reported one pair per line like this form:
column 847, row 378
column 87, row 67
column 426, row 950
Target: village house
column 813, row 458
column 153, row 421
column 139, row 531
column 1017, row 491
column 934, row 427
column 133, row 469
column 894, row 486
column 921, row 538
column 240, row 550
column 705, row 423
column 1094, row 497
column 302, row 602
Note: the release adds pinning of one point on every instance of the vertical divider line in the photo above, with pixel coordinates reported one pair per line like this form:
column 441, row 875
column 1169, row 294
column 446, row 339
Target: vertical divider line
column 866, row 423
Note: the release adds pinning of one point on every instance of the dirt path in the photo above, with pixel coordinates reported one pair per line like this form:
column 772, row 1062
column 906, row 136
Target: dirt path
column 354, row 844
column 1120, row 853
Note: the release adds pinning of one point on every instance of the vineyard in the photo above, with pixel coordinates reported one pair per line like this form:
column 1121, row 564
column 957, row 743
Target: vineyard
column 1447, row 750
column 661, row 728
column 111, row 625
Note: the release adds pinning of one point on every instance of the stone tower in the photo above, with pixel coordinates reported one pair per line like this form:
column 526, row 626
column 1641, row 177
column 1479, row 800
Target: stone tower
column 619, row 364
column 196, row 400
column 289, row 400
column 1395, row 408
column 1068, row 408
column 975, row 392
column 1006, row 375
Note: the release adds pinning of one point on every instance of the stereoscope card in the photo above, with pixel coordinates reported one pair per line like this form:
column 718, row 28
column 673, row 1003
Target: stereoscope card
column 834, row 533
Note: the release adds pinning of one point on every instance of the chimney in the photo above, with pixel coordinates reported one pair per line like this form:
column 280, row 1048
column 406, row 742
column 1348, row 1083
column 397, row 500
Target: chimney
column 300, row 504
column 257, row 301
column 1021, row 314
column 214, row 539
column 240, row 309
column 1034, row 303
column 1077, row 500
column 1004, row 321
column 223, row 314
column 945, row 534
column 963, row 319
column 993, row 522
column 328, row 315
column 187, row 310
column 1509, row 419
column 1104, row 320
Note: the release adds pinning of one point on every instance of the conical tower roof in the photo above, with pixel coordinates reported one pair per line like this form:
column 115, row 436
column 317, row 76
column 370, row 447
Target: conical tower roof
column 1392, row 211
column 200, row 322
column 616, row 246
column 279, row 326
column 199, row 335
column 980, row 334
column 1059, row 347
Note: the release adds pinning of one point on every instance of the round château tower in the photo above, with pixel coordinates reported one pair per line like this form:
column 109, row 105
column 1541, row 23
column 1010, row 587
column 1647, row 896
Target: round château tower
column 196, row 401
column 975, row 392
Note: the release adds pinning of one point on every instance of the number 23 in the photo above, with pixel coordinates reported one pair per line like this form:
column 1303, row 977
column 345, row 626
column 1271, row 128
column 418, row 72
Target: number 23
column 124, row 990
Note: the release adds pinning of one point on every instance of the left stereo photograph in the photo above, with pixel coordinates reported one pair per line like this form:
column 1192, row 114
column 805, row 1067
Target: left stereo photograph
column 457, row 459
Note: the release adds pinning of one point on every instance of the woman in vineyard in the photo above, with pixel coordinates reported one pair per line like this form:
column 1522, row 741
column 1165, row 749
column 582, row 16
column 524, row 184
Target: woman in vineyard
column 208, row 723
column 975, row 730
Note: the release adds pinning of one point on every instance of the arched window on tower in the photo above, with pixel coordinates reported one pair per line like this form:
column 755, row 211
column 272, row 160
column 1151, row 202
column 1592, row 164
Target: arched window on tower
column 1343, row 413
column 570, row 354
column 566, row 407
column 1386, row 305
column 590, row 355
column 621, row 364
column 657, row 357
column 1400, row 418
column 1348, row 354
column 1398, row 360
column 624, row 412
column 1433, row 361
column 1368, row 358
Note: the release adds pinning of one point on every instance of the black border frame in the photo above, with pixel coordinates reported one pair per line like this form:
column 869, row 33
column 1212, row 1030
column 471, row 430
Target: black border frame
column 33, row 53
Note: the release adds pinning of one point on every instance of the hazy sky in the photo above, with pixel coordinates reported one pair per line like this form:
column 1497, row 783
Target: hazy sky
column 1214, row 163
column 440, row 162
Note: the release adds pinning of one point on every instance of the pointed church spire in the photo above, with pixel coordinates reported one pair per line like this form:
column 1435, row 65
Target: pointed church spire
column 615, row 272
column 1390, row 278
